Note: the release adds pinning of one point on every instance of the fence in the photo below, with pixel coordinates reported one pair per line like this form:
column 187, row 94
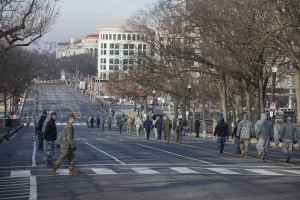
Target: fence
column 14, row 123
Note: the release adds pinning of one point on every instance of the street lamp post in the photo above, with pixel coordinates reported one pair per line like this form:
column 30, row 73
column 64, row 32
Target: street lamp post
column 139, row 106
column 274, row 71
column 153, row 106
column 189, row 87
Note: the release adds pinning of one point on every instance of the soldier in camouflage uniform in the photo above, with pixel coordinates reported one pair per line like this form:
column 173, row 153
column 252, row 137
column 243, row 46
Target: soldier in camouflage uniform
column 67, row 147
column 289, row 137
column 167, row 125
column 245, row 133
column 263, row 129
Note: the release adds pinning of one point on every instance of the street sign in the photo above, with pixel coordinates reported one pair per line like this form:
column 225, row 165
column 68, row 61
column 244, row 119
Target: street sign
column 273, row 106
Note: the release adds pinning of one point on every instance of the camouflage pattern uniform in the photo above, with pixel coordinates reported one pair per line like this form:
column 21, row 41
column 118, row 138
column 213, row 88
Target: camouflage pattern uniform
column 178, row 132
column 138, row 126
column 245, row 132
column 263, row 135
column 289, row 137
column 129, row 125
column 109, row 123
column 277, row 132
column 167, row 125
column 67, row 147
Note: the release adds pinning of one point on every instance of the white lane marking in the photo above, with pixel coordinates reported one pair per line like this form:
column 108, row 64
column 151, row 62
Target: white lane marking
column 92, row 110
column 20, row 173
column 103, row 171
column 33, row 188
column 223, row 171
column 122, row 140
column 63, row 172
column 116, row 159
column 293, row 171
column 33, row 155
column 175, row 154
column 264, row 172
column 145, row 170
column 184, row 170
column 108, row 136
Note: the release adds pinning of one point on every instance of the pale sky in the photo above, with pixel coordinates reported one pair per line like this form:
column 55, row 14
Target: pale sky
column 79, row 18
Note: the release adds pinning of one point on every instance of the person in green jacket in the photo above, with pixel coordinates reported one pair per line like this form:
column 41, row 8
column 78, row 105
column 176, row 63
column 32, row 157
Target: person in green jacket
column 67, row 147
column 289, row 137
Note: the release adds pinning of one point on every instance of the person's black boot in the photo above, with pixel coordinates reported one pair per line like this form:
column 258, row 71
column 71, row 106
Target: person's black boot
column 49, row 164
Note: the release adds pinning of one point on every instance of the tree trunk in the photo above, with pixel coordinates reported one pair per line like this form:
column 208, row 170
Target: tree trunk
column 261, row 92
column 297, row 88
column 239, row 103
column 183, row 108
column 223, row 94
column 175, row 108
column 249, row 105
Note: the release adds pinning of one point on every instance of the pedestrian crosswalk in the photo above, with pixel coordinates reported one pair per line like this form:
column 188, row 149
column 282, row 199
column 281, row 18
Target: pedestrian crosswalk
column 159, row 170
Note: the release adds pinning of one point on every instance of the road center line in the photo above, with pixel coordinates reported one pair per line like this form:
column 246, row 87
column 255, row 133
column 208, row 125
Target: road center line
column 175, row 154
column 33, row 155
column 116, row 159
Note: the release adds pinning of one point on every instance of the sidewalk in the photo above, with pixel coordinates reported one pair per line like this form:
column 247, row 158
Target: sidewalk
column 12, row 132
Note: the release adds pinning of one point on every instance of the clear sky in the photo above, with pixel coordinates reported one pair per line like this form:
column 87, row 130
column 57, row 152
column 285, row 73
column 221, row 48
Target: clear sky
column 79, row 18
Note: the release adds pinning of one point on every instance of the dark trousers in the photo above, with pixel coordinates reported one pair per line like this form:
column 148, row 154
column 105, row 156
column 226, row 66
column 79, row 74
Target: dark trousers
column 40, row 138
column 159, row 134
column 197, row 133
column 147, row 133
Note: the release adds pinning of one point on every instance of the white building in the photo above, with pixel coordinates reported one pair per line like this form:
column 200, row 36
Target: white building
column 118, row 48
column 89, row 44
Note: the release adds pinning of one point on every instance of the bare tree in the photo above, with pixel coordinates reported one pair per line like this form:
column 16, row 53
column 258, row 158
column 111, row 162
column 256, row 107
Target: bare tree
column 24, row 21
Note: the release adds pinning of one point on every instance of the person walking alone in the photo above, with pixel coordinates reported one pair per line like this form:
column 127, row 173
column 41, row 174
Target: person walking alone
column 222, row 132
column 50, row 136
column 67, row 147
column 8, row 127
column 289, row 137
column 197, row 128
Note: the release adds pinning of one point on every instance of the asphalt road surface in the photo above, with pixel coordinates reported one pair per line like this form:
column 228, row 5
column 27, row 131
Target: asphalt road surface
column 121, row 166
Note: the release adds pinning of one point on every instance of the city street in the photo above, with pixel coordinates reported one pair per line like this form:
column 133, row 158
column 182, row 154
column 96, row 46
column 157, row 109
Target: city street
column 121, row 166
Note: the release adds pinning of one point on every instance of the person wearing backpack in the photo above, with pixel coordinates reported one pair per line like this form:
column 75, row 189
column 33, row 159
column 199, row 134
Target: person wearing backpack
column 40, row 124
column 245, row 133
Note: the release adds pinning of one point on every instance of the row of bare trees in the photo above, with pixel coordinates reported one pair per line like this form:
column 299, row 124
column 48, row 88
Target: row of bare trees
column 21, row 23
column 225, row 49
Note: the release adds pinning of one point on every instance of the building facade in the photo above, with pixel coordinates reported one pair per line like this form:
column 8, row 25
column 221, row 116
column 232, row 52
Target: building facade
column 119, row 48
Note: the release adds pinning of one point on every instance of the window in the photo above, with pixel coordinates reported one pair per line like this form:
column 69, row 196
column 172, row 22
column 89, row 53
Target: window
column 131, row 46
column 126, row 46
column 128, row 37
column 112, row 46
column 114, row 37
column 133, row 37
column 106, row 36
column 110, row 36
column 119, row 36
column 117, row 46
column 124, row 37
column 140, row 46
column 138, row 37
column 125, row 52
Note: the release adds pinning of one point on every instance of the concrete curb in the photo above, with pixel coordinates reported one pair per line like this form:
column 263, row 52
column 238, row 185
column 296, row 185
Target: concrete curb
column 14, row 131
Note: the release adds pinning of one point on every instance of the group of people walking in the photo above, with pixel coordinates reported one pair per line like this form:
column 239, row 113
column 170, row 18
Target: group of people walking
column 47, row 136
column 99, row 122
column 263, row 131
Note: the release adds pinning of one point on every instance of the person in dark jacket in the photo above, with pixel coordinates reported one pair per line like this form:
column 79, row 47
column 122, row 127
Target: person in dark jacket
column 147, row 126
column 50, row 136
column 236, row 138
column 222, row 132
column 7, row 127
column 197, row 127
column 98, row 121
column 40, row 131
column 159, row 126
